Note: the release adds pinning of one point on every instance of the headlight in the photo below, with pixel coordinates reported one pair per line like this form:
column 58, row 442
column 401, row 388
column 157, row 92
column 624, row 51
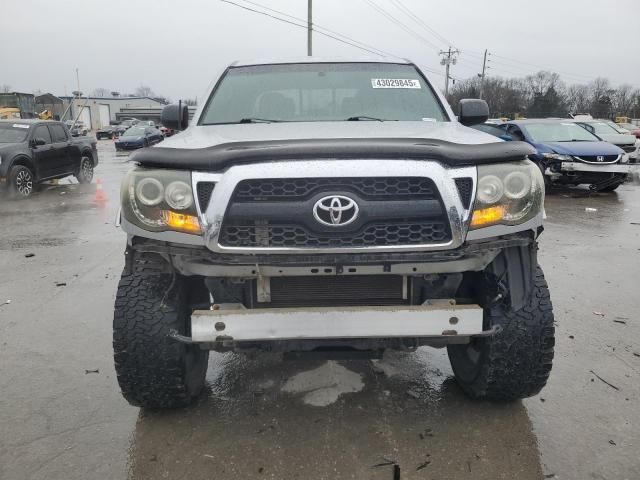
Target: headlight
column 159, row 200
column 557, row 156
column 624, row 158
column 507, row 194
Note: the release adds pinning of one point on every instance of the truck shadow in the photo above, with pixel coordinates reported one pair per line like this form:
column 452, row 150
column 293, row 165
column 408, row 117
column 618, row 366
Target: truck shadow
column 260, row 418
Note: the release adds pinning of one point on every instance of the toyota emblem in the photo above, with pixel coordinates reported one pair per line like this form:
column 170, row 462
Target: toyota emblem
column 335, row 210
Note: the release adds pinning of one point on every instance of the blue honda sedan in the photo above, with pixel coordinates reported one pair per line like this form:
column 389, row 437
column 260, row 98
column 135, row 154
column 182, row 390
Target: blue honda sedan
column 570, row 155
column 138, row 137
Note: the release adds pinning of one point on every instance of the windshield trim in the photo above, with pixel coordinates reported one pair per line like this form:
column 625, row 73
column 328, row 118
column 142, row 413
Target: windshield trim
column 205, row 107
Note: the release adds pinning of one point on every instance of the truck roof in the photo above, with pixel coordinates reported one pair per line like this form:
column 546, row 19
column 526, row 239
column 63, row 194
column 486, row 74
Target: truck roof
column 29, row 121
column 300, row 59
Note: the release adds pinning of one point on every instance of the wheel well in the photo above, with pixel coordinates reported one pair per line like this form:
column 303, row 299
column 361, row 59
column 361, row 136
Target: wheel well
column 24, row 161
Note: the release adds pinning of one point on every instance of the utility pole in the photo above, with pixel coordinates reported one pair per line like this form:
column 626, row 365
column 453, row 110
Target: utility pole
column 448, row 58
column 77, row 79
column 484, row 67
column 310, row 28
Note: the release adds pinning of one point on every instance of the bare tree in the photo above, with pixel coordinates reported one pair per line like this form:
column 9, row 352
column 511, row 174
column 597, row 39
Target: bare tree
column 623, row 99
column 100, row 92
column 578, row 98
column 144, row 91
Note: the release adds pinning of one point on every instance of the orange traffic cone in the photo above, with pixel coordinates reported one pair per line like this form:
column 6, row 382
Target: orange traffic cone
column 101, row 198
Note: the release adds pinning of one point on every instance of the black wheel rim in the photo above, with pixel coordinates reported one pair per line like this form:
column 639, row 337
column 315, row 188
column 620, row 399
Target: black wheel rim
column 87, row 169
column 24, row 183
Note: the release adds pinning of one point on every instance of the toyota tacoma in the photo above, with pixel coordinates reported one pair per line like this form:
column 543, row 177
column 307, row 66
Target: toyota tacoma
column 333, row 207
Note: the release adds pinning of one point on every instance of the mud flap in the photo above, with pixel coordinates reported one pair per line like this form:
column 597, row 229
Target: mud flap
column 514, row 270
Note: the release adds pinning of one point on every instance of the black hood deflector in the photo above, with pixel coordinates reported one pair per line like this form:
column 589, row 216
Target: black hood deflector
column 222, row 156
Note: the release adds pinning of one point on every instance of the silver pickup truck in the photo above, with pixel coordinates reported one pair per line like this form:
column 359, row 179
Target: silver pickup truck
column 337, row 207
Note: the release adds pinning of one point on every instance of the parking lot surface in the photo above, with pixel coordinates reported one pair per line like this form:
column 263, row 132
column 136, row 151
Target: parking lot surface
column 62, row 416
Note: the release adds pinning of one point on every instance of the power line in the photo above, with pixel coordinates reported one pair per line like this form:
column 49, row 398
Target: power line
column 512, row 60
column 319, row 27
column 419, row 21
column 334, row 37
column 402, row 25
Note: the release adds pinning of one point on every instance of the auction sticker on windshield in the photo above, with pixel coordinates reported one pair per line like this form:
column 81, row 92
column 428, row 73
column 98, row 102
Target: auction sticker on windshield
column 395, row 83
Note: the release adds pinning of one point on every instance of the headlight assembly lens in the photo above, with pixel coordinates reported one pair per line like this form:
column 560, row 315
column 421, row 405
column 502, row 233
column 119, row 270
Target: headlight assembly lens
column 516, row 185
column 490, row 189
column 150, row 191
column 507, row 194
column 179, row 195
column 159, row 200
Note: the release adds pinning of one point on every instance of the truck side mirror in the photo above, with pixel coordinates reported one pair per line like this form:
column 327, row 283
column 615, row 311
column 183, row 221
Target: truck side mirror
column 175, row 116
column 472, row 111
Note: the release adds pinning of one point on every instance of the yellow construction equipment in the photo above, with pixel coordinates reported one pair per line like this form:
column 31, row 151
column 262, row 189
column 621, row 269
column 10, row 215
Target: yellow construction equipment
column 8, row 113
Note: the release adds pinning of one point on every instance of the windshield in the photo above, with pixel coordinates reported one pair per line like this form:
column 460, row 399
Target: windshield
column 600, row 128
column 558, row 132
column 13, row 132
column 316, row 92
column 134, row 132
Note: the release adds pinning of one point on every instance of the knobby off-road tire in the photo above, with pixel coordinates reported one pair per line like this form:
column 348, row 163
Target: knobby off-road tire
column 153, row 370
column 515, row 363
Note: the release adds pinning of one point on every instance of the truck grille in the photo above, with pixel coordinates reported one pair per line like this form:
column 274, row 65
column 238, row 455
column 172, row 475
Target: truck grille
column 376, row 235
column 204, row 191
column 369, row 187
column 278, row 213
column 336, row 290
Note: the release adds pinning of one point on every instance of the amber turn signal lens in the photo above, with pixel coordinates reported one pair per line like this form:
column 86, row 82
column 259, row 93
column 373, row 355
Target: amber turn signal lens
column 181, row 222
column 487, row 216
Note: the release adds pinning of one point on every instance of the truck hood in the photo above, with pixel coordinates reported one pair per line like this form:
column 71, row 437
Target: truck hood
column 578, row 148
column 212, row 135
column 216, row 147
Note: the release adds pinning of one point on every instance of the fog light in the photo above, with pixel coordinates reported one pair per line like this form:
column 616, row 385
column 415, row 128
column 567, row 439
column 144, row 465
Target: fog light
column 181, row 222
column 487, row 216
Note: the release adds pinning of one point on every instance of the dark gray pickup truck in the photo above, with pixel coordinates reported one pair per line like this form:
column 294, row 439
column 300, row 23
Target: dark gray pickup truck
column 32, row 151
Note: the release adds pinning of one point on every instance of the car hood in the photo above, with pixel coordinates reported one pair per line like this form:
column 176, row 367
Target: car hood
column 619, row 138
column 212, row 135
column 137, row 138
column 578, row 148
column 10, row 146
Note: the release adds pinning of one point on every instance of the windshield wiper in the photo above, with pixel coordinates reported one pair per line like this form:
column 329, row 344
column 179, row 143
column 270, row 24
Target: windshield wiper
column 257, row 120
column 357, row 118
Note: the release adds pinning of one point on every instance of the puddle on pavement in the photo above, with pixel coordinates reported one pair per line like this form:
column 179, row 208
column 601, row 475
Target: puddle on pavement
column 260, row 417
column 323, row 385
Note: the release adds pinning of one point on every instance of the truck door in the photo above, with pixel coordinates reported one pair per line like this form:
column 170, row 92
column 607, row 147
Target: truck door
column 67, row 156
column 44, row 156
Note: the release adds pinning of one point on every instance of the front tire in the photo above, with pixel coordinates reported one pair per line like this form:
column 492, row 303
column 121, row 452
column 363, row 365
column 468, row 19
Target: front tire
column 85, row 173
column 516, row 362
column 153, row 370
column 21, row 182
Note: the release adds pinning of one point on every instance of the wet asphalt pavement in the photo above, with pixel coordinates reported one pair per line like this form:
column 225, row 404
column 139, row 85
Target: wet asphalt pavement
column 62, row 416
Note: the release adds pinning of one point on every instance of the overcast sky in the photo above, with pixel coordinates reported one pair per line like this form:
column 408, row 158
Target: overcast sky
column 177, row 47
